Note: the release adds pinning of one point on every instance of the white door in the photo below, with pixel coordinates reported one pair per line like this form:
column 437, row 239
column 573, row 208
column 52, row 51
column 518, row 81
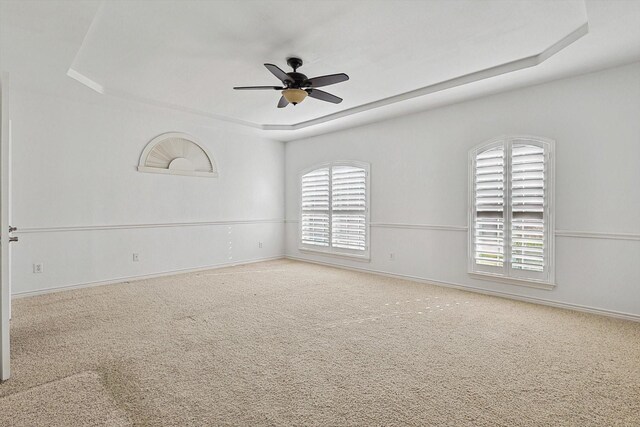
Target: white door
column 5, row 237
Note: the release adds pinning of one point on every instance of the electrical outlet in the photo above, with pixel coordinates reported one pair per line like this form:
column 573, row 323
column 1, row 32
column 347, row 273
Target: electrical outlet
column 136, row 257
column 392, row 256
column 38, row 268
column 260, row 245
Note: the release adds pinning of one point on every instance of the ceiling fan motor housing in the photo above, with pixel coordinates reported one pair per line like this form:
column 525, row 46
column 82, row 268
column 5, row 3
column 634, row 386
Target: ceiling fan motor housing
column 299, row 80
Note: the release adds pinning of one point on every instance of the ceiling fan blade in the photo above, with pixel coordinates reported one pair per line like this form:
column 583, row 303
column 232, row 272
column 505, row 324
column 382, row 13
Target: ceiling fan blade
column 330, row 79
column 323, row 96
column 276, row 71
column 258, row 87
column 283, row 102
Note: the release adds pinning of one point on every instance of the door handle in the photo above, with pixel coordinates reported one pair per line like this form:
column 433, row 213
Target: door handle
column 12, row 229
column 13, row 239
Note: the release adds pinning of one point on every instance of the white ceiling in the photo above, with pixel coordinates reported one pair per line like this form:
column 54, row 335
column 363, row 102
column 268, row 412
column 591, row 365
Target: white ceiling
column 188, row 55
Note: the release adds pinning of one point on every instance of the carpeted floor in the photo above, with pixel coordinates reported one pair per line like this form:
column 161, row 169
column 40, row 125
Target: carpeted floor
column 288, row 343
column 76, row 400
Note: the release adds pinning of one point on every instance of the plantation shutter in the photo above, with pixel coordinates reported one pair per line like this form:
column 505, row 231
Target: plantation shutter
column 489, row 207
column 349, row 206
column 527, row 207
column 315, row 208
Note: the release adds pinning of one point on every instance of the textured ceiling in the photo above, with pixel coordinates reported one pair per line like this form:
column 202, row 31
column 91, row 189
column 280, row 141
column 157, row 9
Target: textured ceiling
column 188, row 55
column 191, row 54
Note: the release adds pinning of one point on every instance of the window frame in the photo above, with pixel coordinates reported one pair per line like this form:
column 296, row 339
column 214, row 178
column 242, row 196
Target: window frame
column 330, row 250
column 546, row 279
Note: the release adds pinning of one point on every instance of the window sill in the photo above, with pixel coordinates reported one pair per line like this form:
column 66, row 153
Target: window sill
column 356, row 257
column 514, row 281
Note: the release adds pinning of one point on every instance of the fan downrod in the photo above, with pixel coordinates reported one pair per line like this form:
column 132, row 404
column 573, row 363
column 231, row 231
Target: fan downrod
column 294, row 63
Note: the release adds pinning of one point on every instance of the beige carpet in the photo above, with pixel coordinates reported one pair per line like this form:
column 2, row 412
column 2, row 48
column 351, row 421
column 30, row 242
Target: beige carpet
column 287, row 343
column 78, row 400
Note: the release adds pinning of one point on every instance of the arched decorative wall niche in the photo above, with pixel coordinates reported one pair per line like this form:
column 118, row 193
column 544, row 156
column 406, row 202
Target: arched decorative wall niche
column 177, row 153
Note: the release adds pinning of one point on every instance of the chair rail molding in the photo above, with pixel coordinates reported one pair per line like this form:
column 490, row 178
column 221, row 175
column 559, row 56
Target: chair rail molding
column 559, row 233
column 30, row 230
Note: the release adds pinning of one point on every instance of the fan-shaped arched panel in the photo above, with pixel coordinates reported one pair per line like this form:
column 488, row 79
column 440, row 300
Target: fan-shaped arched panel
column 177, row 154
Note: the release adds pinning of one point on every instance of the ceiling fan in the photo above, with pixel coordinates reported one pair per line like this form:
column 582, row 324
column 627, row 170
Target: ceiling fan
column 297, row 86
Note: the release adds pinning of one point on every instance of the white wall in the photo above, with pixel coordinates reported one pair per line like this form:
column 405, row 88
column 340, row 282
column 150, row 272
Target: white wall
column 83, row 209
column 419, row 180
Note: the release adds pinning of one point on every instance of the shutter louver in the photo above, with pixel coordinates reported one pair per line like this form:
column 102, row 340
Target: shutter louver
column 348, row 205
column 315, row 208
column 489, row 208
column 527, row 207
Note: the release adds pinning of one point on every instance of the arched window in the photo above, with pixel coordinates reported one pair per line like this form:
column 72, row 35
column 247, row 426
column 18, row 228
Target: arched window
column 334, row 209
column 177, row 154
column 510, row 209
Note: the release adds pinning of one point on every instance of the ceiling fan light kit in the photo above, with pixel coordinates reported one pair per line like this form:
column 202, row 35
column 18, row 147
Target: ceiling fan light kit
column 294, row 96
column 297, row 86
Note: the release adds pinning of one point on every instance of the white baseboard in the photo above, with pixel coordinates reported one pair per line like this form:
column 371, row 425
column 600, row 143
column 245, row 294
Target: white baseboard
column 575, row 307
column 541, row 301
column 139, row 277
